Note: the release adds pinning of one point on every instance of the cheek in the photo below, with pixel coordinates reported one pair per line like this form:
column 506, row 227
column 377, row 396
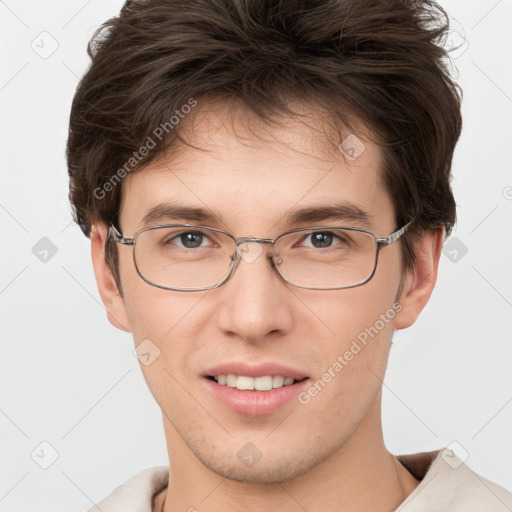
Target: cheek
column 165, row 321
column 345, row 314
column 355, row 351
column 154, row 312
column 350, row 377
column 362, row 330
column 167, row 327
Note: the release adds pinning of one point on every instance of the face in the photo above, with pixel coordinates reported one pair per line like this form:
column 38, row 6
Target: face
column 256, row 325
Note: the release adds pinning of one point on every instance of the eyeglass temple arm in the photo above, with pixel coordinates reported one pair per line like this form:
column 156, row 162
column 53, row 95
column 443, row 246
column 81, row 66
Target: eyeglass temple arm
column 116, row 236
column 393, row 237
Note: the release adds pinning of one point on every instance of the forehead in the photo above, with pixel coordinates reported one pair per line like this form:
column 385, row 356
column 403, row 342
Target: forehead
column 236, row 166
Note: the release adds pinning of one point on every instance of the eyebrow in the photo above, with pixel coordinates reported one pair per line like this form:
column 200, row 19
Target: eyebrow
column 345, row 212
column 166, row 211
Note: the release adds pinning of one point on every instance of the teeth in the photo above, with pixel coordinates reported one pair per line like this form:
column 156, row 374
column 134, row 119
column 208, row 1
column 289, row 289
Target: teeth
column 277, row 381
column 231, row 380
column 263, row 383
column 243, row 382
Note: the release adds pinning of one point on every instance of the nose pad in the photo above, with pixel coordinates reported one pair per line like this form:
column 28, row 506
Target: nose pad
column 249, row 252
column 275, row 260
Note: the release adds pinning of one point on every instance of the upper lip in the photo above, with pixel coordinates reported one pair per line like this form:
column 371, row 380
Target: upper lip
column 259, row 370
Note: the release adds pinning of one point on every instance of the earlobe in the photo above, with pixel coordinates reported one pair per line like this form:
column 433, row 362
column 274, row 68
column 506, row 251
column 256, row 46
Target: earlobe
column 110, row 296
column 420, row 280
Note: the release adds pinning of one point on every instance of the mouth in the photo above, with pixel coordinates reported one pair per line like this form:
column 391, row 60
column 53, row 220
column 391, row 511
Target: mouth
column 248, row 383
column 254, row 390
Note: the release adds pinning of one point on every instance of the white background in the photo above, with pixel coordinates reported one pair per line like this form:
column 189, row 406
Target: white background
column 70, row 379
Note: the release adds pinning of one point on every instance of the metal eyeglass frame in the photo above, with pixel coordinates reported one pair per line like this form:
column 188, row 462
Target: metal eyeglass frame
column 116, row 236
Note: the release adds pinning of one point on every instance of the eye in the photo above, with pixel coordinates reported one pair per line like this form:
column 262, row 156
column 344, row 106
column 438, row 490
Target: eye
column 323, row 239
column 188, row 239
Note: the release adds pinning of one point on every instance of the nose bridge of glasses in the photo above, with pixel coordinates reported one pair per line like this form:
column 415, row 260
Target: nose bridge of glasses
column 251, row 253
column 245, row 239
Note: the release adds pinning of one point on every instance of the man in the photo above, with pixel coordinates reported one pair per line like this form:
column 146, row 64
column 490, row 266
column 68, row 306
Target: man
column 266, row 186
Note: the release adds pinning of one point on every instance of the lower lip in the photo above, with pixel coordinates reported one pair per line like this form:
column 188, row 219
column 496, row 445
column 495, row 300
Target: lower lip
column 255, row 403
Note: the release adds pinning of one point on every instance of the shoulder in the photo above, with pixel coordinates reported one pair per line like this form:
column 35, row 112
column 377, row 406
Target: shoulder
column 136, row 494
column 450, row 485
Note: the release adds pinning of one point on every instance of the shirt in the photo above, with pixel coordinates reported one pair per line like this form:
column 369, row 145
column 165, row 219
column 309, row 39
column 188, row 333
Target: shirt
column 446, row 485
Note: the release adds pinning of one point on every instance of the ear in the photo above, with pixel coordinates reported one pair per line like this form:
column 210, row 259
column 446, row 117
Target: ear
column 421, row 279
column 112, row 299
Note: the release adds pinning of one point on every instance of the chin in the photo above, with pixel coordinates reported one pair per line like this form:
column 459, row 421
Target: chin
column 267, row 469
column 266, row 473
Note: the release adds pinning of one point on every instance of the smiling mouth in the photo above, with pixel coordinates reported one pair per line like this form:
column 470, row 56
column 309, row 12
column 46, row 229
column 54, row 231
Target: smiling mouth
column 247, row 383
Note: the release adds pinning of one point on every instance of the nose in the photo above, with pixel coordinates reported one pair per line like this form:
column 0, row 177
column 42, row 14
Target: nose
column 255, row 302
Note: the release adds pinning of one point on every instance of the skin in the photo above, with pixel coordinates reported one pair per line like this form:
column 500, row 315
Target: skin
column 323, row 456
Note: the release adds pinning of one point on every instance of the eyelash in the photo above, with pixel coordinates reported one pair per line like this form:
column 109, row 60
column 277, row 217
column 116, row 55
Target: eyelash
column 178, row 236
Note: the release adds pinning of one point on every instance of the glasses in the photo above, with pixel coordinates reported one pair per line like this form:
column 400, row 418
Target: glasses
column 186, row 257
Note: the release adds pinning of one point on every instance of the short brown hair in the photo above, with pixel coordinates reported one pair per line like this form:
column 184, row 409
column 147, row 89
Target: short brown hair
column 382, row 59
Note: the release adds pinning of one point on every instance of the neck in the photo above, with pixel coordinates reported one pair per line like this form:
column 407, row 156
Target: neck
column 360, row 475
